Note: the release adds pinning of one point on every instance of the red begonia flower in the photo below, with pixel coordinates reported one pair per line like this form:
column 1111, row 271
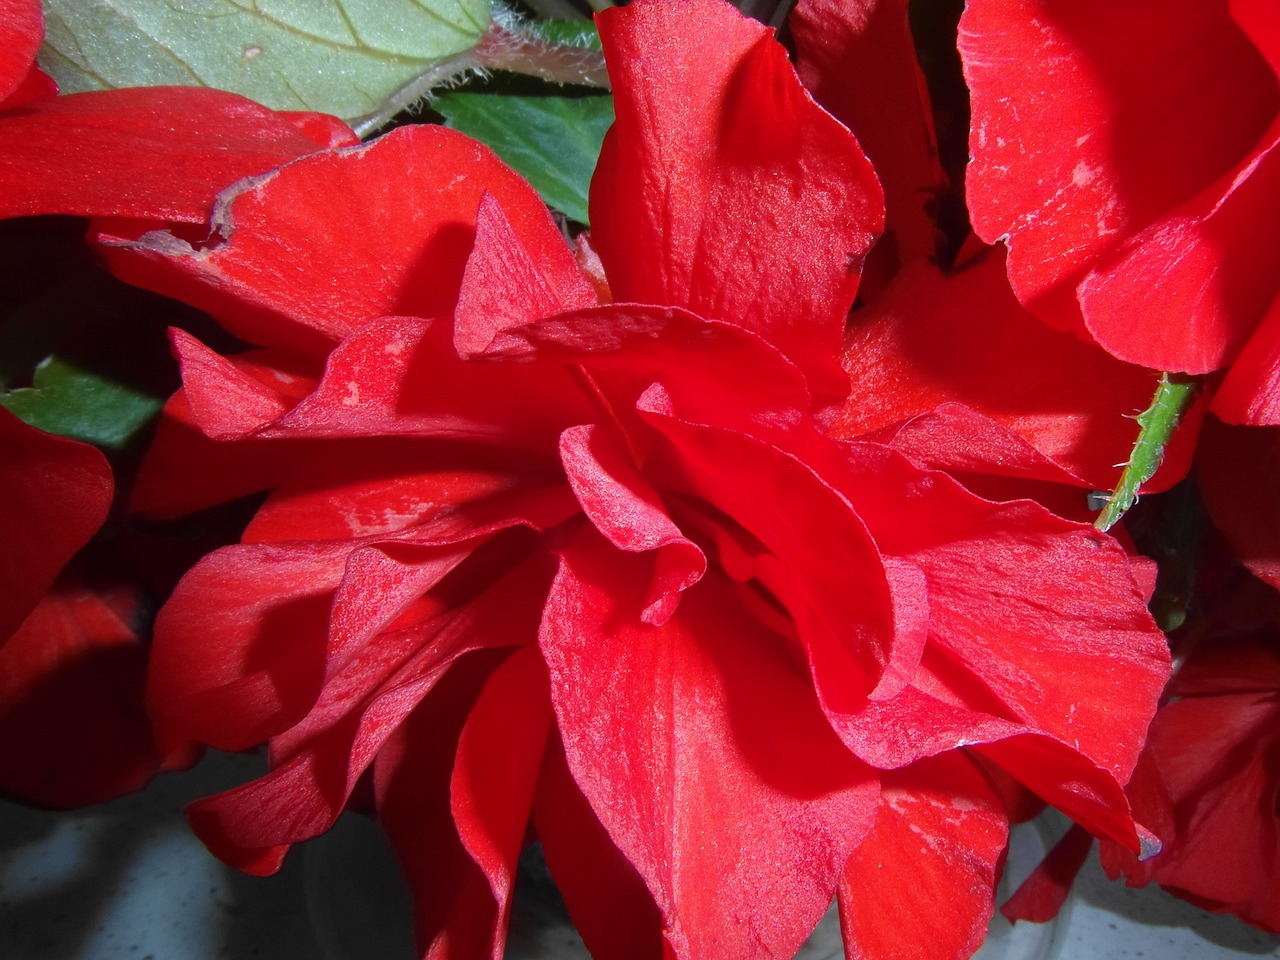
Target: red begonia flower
column 1078, row 109
column 588, row 564
column 145, row 153
column 1210, row 776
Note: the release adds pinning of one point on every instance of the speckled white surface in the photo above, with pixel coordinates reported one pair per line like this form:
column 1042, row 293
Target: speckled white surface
column 126, row 881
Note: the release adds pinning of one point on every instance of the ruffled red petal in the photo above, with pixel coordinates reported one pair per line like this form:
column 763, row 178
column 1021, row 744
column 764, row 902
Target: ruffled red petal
column 857, row 57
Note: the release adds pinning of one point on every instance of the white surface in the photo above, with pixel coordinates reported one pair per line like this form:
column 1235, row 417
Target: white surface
column 126, row 881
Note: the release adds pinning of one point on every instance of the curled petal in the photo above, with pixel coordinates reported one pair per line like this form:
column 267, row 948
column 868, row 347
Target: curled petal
column 629, row 513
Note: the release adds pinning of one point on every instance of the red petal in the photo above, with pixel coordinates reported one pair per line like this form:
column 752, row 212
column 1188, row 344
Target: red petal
column 72, row 728
column 1238, row 471
column 402, row 376
column 1250, row 393
column 507, row 284
column 367, row 695
column 608, row 903
column 38, row 85
column 1186, row 293
column 226, row 400
column 1077, row 108
column 150, row 153
column 712, row 372
column 723, row 189
column 1058, row 612
column 238, row 648
column 1215, row 757
column 1041, row 896
column 923, row 881
column 804, row 557
column 21, row 30
column 455, row 913
column 500, row 753
column 858, row 59
column 322, row 246
column 630, row 514
column 710, row 798
column 55, row 494
column 376, row 492
column 919, row 345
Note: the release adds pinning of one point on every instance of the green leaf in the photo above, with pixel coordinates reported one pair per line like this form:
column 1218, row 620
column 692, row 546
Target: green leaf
column 72, row 401
column 345, row 57
column 1155, row 427
column 553, row 142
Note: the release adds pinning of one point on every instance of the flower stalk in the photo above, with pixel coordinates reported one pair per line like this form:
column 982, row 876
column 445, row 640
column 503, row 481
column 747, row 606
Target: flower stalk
column 1156, row 425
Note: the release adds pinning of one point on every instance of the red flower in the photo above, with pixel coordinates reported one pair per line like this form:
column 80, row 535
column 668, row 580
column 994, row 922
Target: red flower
column 946, row 365
column 534, row 555
column 1210, row 777
column 1129, row 158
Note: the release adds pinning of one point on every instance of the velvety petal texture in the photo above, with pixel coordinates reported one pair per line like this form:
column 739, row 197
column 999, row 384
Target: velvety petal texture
column 560, row 549
column 21, row 31
column 149, row 153
column 691, row 199
column 849, row 47
column 1077, row 110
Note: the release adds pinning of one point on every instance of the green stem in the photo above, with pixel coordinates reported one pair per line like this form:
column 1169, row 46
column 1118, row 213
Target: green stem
column 1156, row 423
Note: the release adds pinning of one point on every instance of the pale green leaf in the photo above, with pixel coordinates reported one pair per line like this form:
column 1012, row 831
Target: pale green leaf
column 345, row 57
